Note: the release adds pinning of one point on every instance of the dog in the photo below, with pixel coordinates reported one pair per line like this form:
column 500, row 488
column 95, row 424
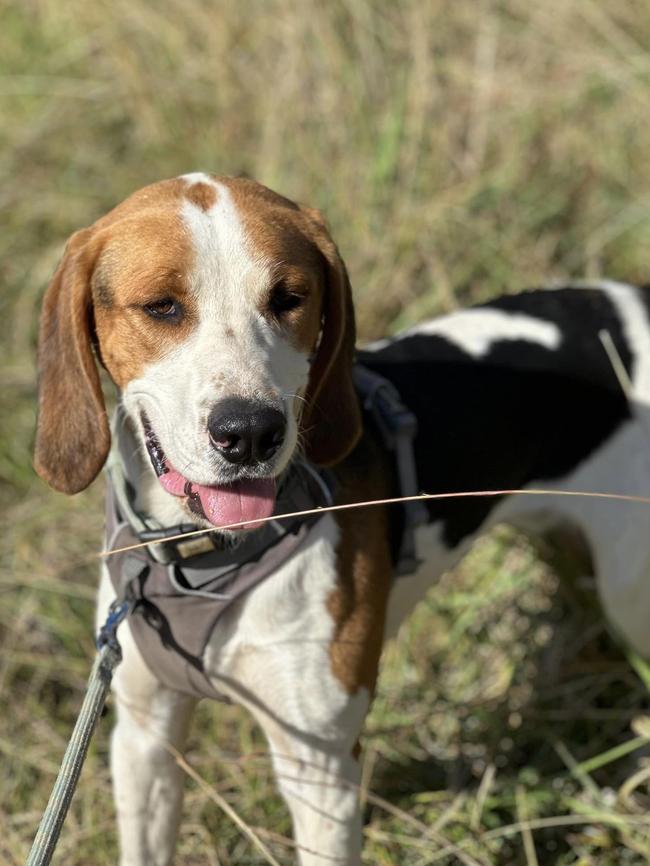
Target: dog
column 223, row 314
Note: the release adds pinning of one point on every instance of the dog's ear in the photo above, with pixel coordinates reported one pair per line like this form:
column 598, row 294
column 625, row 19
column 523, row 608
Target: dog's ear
column 72, row 434
column 331, row 421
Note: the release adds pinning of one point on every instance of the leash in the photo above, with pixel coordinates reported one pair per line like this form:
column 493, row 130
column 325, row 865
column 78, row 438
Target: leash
column 109, row 655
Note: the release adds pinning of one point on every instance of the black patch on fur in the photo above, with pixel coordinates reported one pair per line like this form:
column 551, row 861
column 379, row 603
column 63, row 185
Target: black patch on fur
column 518, row 414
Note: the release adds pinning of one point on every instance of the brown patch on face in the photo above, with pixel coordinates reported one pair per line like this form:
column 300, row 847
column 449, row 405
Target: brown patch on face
column 145, row 262
column 202, row 195
column 293, row 303
column 142, row 255
column 148, row 254
column 358, row 604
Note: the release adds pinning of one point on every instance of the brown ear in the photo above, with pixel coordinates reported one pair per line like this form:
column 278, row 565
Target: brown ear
column 72, row 435
column 332, row 418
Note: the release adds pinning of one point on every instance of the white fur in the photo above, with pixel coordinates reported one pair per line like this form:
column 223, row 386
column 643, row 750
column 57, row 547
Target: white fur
column 147, row 782
column 475, row 331
column 272, row 654
column 634, row 319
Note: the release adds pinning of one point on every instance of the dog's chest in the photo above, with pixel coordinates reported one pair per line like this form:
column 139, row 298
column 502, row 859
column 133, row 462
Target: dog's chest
column 279, row 636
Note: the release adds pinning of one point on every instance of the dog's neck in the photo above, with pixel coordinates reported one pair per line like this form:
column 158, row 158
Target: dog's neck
column 150, row 500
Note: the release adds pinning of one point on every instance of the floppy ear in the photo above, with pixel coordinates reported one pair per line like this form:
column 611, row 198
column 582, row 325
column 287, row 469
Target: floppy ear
column 332, row 418
column 72, row 434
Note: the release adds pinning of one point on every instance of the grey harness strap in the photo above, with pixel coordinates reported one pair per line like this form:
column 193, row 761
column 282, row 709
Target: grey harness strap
column 175, row 605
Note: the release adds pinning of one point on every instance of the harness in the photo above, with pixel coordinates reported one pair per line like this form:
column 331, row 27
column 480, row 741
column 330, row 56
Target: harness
column 398, row 427
column 177, row 589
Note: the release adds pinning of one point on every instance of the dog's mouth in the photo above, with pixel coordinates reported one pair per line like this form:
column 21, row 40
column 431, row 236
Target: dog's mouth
column 248, row 499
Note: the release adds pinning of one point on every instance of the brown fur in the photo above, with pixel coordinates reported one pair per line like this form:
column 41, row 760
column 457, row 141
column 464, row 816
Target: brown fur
column 202, row 195
column 358, row 605
column 143, row 267
column 72, row 438
column 120, row 269
column 332, row 419
column 278, row 233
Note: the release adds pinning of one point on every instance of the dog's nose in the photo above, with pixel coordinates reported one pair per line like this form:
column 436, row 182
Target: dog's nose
column 245, row 432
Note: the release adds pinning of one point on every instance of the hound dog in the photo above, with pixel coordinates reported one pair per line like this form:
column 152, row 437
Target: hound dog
column 223, row 314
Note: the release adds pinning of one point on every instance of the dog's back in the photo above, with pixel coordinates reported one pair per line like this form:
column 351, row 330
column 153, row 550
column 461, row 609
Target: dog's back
column 548, row 389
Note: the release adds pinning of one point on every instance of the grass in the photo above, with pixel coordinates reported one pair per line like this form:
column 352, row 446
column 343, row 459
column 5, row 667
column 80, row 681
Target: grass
column 459, row 150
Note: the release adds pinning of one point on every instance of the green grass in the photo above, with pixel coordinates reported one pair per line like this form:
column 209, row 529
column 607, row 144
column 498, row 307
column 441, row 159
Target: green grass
column 459, row 150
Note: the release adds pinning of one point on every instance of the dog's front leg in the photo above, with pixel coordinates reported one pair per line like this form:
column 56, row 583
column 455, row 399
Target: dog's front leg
column 301, row 653
column 320, row 784
column 147, row 781
column 312, row 727
column 152, row 722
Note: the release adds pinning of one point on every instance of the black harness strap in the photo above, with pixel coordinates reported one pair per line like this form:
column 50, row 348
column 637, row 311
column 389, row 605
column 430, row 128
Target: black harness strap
column 398, row 427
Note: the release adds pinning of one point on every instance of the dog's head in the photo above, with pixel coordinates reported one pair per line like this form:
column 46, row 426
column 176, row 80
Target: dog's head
column 223, row 313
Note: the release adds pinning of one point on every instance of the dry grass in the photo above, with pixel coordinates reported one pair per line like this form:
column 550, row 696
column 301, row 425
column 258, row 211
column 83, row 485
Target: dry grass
column 459, row 150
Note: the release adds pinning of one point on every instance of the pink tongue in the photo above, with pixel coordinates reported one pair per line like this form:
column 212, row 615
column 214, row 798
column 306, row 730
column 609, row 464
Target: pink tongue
column 227, row 504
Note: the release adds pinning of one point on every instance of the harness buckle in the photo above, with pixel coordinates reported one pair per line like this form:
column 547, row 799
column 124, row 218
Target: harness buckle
column 179, row 549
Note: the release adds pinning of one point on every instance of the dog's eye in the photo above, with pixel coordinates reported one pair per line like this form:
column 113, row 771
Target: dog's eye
column 284, row 299
column 163, row 309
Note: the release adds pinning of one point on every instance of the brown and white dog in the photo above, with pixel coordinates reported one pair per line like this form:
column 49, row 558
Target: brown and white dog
column 223, row 314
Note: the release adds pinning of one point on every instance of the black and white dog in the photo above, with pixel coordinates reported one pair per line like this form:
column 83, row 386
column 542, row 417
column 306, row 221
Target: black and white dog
column 546, row 389
column 223, row 313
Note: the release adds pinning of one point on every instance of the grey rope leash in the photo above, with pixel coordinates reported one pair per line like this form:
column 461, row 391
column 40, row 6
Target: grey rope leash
column 108, row 657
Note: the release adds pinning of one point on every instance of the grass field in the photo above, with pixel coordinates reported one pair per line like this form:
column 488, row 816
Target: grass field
column 459, row 150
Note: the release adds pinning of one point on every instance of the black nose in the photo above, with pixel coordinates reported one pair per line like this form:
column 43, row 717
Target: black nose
column 246, row 432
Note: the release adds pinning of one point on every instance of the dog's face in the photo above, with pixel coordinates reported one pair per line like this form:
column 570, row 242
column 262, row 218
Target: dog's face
column 222, row 312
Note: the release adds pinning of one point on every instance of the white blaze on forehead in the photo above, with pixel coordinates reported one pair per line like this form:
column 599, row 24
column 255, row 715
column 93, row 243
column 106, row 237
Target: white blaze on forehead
column 229, row 279
column 474, row 331
column 225, row 273
column 193, row 177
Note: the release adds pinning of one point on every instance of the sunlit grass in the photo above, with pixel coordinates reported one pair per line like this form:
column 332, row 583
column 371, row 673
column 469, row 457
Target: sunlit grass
column 458, row 150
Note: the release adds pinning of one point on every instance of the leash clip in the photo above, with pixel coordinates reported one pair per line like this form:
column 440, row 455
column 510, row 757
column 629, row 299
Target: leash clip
column 107, row 636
